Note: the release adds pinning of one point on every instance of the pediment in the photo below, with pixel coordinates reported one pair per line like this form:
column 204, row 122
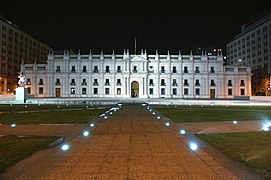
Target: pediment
column 136, row 58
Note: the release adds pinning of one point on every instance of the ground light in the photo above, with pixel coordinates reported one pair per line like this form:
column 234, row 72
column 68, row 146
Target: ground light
column 182, row 131
column 158, row 117
column 167, row 124
column 266, row 128
column 105, row 117
column 65, row 147
column 153, row 113
column 86, row 133
column 266, row 125
column 13, row 125
column 91, row 125
column 193, row 146
column 234, row 122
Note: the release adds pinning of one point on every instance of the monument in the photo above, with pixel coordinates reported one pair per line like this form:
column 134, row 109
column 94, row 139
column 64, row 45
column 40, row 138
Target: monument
column 21, row 93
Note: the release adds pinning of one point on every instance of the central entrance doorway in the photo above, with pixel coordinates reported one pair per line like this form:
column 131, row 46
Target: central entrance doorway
column 134, row 89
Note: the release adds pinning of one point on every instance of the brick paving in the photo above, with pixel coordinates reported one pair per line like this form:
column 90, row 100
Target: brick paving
column 130, row 144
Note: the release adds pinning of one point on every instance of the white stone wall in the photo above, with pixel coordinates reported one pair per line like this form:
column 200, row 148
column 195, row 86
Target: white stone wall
column 162, row 70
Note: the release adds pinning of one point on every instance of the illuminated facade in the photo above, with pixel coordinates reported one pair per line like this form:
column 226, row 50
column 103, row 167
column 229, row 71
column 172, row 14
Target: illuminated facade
column 15, row 46
column 141, row 75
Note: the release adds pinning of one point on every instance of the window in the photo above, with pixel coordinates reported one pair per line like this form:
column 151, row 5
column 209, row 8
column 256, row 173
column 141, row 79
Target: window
column 151, row 91
column 73, row 69
column 84, row 83
column 163, row 82
column 242, row 92
column 95, row 69
column 229, row 82
column 84, row 90
column 212, row 70
column 163, row 91
column 57, row 81
column 28, row 90
column 185, row 91
column 185, row 69
column 41, row 82
column 174, row 82
column 242, row 83
column 135, row 69
column 212, row 82
column 197, row 70
column 151, row 69
column 107, row 69
column 174, row 70
column 197, row 83
column 229, row 92
column 107, row 82
column 118, row 91
column 118, row 82
column 95, row 90
column 151, row 82
column 40, row 90
column 106, row 90
column 95, row 82
column 163, row 69
column 73, row 82
column 84, row 69
column 197, row 91
column 118, row 69
column 58, row 69
column 73, row 90
column 186, row 82
column 174, row 91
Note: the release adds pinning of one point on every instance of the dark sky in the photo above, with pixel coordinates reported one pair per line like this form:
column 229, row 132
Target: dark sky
column 166, row 25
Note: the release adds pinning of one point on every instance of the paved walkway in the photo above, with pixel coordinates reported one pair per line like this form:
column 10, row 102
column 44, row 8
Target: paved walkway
column 130, row 144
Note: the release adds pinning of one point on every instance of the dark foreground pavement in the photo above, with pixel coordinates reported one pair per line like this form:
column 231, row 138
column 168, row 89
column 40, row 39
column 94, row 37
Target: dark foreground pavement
column 130, row 144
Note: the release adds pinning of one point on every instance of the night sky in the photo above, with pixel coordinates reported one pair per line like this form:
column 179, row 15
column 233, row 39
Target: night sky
column 167, row 25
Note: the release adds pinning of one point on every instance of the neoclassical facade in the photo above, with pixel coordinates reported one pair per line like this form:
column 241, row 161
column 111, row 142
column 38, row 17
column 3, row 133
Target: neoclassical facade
column 136, row 75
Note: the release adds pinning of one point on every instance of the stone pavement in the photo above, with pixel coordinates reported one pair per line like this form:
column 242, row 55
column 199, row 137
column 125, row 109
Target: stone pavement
column 130, row 144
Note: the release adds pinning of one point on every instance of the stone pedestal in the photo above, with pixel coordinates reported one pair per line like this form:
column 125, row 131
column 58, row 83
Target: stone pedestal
column 21, row 94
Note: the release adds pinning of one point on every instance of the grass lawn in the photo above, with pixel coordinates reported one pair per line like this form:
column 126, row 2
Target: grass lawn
column 214, row 113
column 51, row 115
column 14, row 149
column 250, row 148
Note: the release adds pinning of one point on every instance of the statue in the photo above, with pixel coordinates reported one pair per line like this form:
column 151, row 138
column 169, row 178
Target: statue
column 22, row 80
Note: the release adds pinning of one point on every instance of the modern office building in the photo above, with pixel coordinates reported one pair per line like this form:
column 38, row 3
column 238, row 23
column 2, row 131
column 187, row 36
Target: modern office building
column 136, row 75
column 252, row 47
column 16, row 46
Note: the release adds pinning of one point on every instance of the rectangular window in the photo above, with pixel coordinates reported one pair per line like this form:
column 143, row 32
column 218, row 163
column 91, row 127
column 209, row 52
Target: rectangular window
column 95, row 90
column 229, row 82
column 28, row 90
column 28, row 81
column 242, row 92
column 212, row 82
column 163, row 91
column 118, row 69
column 185, row 91
column 84, row 90
column 107, row 82
column 174, row 69
column 163, row 69
column 185, row 69
column 96, row 70
column 151, row 91
column 163, row 82
column 197, row 91
column 84, row 69
column 197, row 83
column 118, row 82
column 57, row 81
column 229, row 92
column 118, row 91
column 107, row 69
column 73, row 69
column 197, row 70
column 242, row 83
column 106, row 90
column 212, row 70
column 135, row 69
column 151, row 82
column 41, row 82
column 73, row 82
column 186, row 82
column 174, row 82
column 40, row 90
column 72, row 90
column 58, row 69
column 174, row 91
column 95, row 82
column 84, row 83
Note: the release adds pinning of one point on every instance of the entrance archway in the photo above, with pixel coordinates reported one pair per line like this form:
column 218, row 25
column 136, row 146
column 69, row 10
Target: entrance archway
column 134, row 89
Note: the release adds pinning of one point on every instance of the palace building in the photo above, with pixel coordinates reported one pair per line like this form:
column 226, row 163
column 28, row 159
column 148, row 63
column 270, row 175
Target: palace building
column 136, row 75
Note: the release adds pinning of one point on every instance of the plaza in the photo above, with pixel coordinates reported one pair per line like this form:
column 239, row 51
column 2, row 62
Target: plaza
column 128, row 146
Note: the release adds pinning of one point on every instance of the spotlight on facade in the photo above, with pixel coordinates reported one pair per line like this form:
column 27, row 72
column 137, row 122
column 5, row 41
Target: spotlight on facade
column 91, row 124
column 25, row 106
column 105, row 117
column 182, row 131
column 86, row 106
column 10, row 104
column 57, row 106
column 65, row 147
column 234, row 122
column 86, row 133
column 13, row 125
column 110, row 113
column 167, row 123
column 67, row 104
column 266, row 125
column 143, row 104
column 158, row 117
column 193, row 146
column 266, row 128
